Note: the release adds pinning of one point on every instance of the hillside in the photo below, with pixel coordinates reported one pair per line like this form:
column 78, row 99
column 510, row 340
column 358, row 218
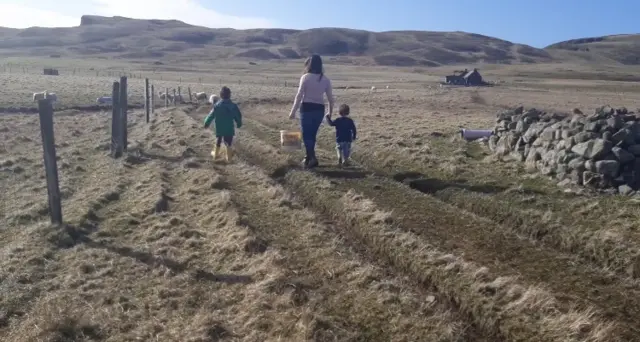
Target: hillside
column 624, row 48
column 120, row 37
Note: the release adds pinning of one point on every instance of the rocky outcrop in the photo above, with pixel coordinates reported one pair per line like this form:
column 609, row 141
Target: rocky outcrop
column 601, row 151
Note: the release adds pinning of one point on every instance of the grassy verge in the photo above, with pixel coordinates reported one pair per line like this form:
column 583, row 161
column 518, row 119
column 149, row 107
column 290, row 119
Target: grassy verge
column 497, row 304
column 600, row 230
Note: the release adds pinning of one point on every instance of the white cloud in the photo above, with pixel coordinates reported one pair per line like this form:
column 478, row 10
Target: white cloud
column 63, row 13
column 20, row 16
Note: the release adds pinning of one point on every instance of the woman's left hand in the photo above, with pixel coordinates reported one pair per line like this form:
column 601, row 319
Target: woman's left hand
column 292, row 115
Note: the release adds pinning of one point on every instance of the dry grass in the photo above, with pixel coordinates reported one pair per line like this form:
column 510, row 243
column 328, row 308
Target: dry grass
column 443, row 243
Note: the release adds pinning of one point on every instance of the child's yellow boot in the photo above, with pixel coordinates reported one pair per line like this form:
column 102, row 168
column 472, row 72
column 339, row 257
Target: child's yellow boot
column 215, row 153
column 229, row 153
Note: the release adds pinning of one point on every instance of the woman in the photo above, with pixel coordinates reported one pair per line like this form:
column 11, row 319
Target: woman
column 310, row 100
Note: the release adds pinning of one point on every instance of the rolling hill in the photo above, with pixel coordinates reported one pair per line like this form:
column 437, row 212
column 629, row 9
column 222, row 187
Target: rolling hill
column 624, row 48
column 126, row 38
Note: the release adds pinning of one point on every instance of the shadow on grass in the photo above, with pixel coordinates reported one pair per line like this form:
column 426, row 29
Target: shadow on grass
column 175, row 266
column 329, row 172
column 68, row 236
column 418, row 181
column 342, row 173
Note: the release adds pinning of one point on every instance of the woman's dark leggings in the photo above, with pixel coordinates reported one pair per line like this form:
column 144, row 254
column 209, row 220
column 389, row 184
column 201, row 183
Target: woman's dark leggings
column 309, row 124
column 227, row 140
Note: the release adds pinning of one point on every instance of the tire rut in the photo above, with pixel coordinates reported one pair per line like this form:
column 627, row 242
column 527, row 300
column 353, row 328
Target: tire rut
column 570, row 235
column 383, row 308
column 617, row 298
column 403, row 203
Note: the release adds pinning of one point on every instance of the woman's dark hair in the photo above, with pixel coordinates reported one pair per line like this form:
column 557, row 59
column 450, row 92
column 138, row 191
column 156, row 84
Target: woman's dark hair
column 225, row 93
column 313, row 65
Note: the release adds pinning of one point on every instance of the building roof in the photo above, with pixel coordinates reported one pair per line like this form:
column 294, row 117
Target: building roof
column 468, row 74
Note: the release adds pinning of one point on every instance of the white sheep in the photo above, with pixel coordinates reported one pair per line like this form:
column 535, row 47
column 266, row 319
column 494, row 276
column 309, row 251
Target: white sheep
column 373, row 89
column 104, row 100
column 213, row 99
column 387, row 87
column 163, row 95
column 201, row 96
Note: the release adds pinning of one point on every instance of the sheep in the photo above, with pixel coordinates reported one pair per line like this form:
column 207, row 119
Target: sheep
column 104, row 100
column 373, row 89
column 162, row 96
column 387, row 87
column 213, row 99
column 200, row 96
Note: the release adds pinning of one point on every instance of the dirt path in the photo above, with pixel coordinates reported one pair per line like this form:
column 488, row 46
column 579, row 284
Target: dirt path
column 160, row 245
column 599, row 231
column 333, row 192
column 343, row 297
column 166, row 245
column 580, row 284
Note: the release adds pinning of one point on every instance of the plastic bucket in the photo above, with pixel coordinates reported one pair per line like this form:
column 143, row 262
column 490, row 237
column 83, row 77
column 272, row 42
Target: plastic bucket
column 291, row 140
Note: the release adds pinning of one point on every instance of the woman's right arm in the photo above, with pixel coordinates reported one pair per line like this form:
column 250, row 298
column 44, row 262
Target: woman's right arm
column 298, row 99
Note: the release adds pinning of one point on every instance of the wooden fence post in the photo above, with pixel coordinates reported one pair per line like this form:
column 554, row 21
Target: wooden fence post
column 146, row 98
column 152, row 101
column 190, row 98
column 124, row 107
column 174, row 97
column 179, row 95
column 116, row 122
column 45, row 111
column 166, row 97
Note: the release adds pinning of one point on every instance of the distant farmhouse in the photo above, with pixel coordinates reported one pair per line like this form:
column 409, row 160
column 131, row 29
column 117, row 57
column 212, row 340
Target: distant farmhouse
column 465, row 77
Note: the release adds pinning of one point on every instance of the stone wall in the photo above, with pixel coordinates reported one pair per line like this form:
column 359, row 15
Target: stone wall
column 600, row 151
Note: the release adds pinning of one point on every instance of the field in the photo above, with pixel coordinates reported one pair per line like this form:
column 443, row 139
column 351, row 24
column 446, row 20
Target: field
column 425, row 238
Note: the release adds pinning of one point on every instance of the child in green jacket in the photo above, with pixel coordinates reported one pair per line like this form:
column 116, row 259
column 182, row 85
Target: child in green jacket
column 223, row 114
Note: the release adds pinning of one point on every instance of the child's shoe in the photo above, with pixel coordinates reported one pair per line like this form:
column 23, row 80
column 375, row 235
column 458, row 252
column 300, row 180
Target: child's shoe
column 216, row 152
column 230, row 153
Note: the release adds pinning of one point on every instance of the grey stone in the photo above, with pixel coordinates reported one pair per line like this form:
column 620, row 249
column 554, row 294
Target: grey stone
column 517, row 156
column 548, row 134
column 590, row 165
column 584, row 136
column 592, row 127
column 565, row 183
column 625, row 190
column 576, row 164
column 622, row 156
column 592, row 149
column 608, row 168
column 615, row 122
column 620, row 135
column 522, row 126
column 622, row 111
column 561, row 171
column 634, row 149
column 532, row 158
column 576, row 177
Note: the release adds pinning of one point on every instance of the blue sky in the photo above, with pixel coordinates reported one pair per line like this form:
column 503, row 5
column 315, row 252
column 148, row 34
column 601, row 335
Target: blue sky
column 537, row 23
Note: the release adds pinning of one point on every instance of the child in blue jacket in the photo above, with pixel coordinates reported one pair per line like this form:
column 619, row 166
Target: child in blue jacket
column 345, row 133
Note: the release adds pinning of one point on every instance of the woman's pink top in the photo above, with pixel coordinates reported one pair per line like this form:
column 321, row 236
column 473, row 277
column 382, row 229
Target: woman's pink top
column 311, row 90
